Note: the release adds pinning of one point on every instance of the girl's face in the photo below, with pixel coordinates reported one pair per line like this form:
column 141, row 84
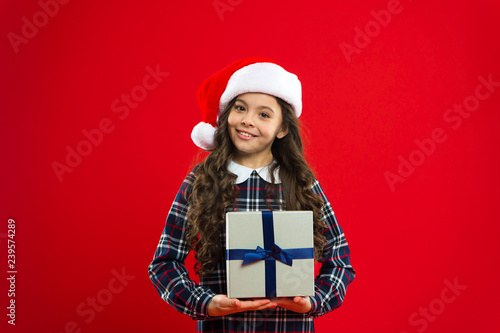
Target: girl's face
column 255, row 120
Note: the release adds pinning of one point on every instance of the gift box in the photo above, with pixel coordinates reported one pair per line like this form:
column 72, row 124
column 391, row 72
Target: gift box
column 269, row 254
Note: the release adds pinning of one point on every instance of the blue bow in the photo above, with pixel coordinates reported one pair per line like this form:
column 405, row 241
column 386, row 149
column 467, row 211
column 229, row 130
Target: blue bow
column 275, row 252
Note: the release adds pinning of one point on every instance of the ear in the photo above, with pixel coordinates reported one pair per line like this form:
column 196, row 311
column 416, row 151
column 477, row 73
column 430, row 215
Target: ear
column 283, row 131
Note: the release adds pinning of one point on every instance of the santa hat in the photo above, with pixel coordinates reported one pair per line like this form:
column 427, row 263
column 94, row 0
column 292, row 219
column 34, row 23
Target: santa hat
column 254, row 74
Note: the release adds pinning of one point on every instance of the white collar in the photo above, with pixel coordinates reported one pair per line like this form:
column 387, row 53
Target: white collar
column 244, row 172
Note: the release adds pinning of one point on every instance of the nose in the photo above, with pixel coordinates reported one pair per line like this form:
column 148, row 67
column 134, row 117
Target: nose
column 247, row 121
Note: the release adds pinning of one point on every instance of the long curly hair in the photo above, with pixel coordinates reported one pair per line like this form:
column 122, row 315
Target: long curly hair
column 214, row 190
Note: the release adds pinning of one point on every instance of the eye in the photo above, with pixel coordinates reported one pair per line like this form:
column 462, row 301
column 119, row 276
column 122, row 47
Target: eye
column 239, row 107
column 264, row 115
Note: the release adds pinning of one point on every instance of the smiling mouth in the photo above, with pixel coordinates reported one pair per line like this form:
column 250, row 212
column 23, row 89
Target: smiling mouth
column 245, row 134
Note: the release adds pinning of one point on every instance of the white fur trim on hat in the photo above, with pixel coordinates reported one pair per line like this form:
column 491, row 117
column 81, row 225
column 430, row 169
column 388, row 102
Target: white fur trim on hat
column 203, row 135
column 267, row 78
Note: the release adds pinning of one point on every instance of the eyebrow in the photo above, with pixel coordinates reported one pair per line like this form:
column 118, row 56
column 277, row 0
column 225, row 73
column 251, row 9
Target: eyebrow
column 259, row 107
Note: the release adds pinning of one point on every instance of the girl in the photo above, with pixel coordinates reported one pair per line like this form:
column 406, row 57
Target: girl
column 256, row 163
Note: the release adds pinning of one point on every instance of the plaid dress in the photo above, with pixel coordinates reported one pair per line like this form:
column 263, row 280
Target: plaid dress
column 170, row 276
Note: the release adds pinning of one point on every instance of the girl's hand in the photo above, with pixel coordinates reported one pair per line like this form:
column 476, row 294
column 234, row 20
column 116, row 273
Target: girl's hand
column 298, row 304
column 221, row 305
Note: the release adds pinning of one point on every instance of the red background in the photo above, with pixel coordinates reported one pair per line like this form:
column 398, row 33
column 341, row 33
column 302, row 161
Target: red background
column 440, row 224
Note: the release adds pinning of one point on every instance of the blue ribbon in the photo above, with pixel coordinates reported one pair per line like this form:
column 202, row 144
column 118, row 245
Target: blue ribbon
column 270, row 253
column 276, row 252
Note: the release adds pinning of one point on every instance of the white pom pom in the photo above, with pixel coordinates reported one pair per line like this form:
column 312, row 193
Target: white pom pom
column 203, row 135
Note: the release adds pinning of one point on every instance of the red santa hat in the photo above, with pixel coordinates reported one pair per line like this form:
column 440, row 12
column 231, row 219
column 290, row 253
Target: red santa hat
column 243, row 76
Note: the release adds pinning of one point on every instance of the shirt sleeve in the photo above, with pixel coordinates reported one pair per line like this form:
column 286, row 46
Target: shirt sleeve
column 336, row 272
column 167, row 270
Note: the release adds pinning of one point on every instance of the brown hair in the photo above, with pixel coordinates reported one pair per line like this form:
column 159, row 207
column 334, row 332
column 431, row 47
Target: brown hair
column 213, row 189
